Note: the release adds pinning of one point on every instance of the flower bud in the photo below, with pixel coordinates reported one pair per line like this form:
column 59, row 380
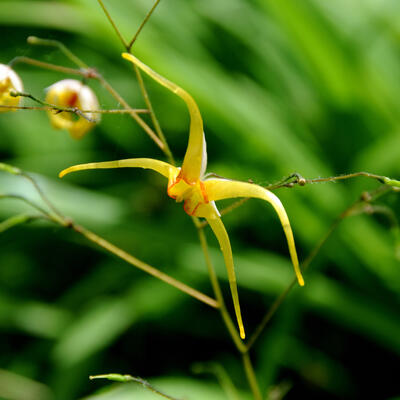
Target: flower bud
column 9, row 81
column 73, row 94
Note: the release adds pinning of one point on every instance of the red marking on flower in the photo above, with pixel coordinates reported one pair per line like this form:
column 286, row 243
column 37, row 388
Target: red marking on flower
column 72, row 99
column 194, row 210
column 185, row 180
column 171, row 186
column 185, row 208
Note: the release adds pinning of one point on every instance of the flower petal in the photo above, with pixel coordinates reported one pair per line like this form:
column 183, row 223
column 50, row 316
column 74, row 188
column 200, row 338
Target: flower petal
column 220, row 232
column 194, row 163
column 161, row 167
column 9, row 81
column 218, row 189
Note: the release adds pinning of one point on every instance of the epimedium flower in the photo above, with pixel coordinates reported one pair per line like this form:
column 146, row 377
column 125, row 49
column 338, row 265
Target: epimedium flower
column 9, row 81
column 73, row 94
column 189, row 184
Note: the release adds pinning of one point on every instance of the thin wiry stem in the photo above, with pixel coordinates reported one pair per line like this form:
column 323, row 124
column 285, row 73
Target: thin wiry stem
column 61, row 46
column 271, row 312
column 356, row 208
column 23, row 199
column 233, row 206
column 54, row 214
column 153, row 116
column 73, row 110
column 18, row 220
column 56, row 108
column 279, row 300
column 16, row 171
column 296, row 179
column 251, row 376
column 121, row 38
column 146, row 18
column 136, row 117
column 143, row 266
column 130, row 378
column 45, row 65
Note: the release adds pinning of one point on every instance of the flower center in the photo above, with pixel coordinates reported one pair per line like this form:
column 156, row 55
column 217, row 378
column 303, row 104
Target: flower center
column 193, row 194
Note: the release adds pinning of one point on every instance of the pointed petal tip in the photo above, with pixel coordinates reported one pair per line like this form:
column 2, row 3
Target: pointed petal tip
column 242, row 334
column 301, row 280
column 127, row 56
column 66, row 171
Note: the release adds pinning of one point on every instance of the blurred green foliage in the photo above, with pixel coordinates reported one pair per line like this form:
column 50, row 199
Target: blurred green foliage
column 309, row 86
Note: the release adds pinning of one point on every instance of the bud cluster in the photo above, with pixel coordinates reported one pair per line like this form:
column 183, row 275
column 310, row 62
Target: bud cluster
column 67, row 93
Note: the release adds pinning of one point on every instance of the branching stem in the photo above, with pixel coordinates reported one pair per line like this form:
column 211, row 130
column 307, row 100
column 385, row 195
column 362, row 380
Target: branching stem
column 146, row 18
column 108, row 15
column 128, row 47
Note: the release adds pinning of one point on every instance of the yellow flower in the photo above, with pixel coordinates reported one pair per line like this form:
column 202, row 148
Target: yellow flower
column 189, row 184
column 9, row 81
column 74, row 94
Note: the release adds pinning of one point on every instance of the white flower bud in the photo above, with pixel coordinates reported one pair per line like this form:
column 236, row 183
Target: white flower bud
column 72, row 93
column 9, row 81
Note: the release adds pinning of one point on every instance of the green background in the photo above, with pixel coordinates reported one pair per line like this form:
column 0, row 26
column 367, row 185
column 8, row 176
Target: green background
column 310, row 86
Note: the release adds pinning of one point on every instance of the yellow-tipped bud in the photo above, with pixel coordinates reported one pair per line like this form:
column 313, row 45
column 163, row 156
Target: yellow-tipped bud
column 9, row 81
column 73, row 94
